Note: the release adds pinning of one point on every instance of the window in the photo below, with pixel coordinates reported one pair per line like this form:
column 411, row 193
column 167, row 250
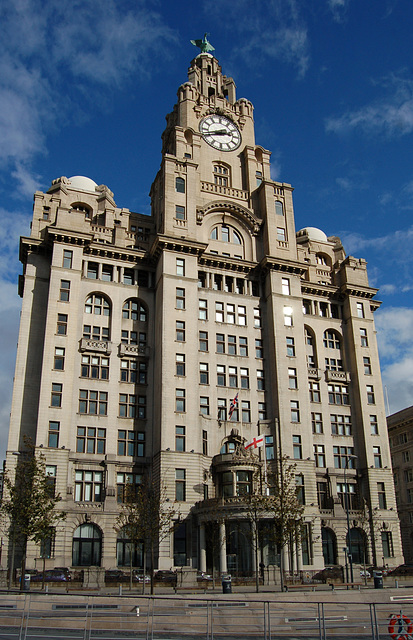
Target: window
column 53, row 439
column 260, row 380
column 96, row 333
column 243, row 347
column 221, row 376
column 56, row 398
column 219, row 312
column 285, row 286
column 242, row 315
column 370, row 395
column 67, row 259
column 204, row 405
column 333, row 364
column 180, row 400
column 257, row 317
column 180, row 485
column 317, row 422
column 179, row 185
column 51, row 473
column 220, row 343
column 319, row 456
column 363, row 338
column 340, row 425
column 331, row 340
column 107, row 273
column 290, row 347
column 180, row 298
column 61, row 324
column 47, row 545
column 180, row 267
column 203, row 373
column 180, row 331
column 132, row 406
column 134, row 310
column 292, row 379
column 258, row 178
column 314, row 388
column 262, row 411
column 374, row 427
column 46, row 213
column 203, row 341
column 323, row 309
column 322, row 495
column 387, row 544
column 179, row 438
column 338, row 394
column 299, row 483
column 93, row 402
column 97, row 305
column 222, row 409
column 288, row 317
column 59, row 358
column 180, row 364
column 244, row 378
column 90, row 440
column 406, row 456
column 203, row 310
column 133, row 337
column 343, row 457
column 307, row 307
column 259, row 351
column 297, row 448
column 127, row 484
column 88, row 486
column 96, row 367
column 269, row 447
column 133, row 371
column 360, row 309
column 64, row 290
column 92, row 270
column 348, row 495
column 205, row 443
column 367, row 366
column 232, row 345
column 179, row 212
column 245, row 411
column 232, row 377
column 377, row 457
column 221, row 175
column 231, row 313
column 279, row 208
column 381, row 492
column 131, row 443
column 295, row 411
column 281, row 234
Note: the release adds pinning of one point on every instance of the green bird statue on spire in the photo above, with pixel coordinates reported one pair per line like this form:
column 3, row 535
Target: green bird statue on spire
column 204, row 44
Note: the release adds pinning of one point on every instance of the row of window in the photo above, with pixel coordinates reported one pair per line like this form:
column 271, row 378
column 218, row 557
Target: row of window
column 343, row 456
column 93, row 440
column 96, row 402
column 219, row 282
column 229, row 345
column 340, row 424
column 223, row 405
column 97, row 367
column 106, row 272
column 226, row 376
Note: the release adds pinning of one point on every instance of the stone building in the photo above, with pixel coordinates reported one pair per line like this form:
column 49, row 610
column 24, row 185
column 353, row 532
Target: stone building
column 400, row 428
column 165, row 342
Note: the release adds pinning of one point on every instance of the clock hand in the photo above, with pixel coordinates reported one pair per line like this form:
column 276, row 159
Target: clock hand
column 218, row 132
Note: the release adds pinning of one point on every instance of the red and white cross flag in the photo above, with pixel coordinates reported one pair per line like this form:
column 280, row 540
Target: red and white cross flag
column 255, row 443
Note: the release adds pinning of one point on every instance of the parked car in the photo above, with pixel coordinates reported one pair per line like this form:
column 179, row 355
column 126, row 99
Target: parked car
column 52, row 575
column 401, row 570
column 365, row 574
column 139, row 577
column 165, row 576
column 203, row 576
column 115, row 575
column 329, row 573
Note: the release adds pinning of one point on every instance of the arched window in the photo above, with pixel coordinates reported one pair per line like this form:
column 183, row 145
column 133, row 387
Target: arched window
column 133, row 309
column 97, row 305
column 279, row 210
column 87, row 546
column 128, row 553
column 357, row 545
column 225, row 233
column 329, row 542
column 82, row 208
column 180, row 185
column 323, row 259
column 224, row 236
column 331, row 340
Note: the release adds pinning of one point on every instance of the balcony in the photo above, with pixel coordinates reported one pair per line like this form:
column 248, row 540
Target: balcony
column 133, row 350
column 230, row 192
column 100, row 346
column 314, row 373
column 337, row 376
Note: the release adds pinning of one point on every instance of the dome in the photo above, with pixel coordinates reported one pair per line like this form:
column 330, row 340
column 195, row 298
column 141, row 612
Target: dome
column 82, row 183
column 313, row 233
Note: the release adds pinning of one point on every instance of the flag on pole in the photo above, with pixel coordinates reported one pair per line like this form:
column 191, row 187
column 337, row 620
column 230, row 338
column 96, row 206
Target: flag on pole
column 233, row 405
column 255, row 443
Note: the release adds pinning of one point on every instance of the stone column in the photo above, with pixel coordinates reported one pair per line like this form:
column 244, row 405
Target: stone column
column 202, row 549
column 222, row 548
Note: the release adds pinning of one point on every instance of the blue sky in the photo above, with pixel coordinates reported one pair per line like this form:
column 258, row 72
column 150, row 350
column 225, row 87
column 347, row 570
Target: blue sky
column 85, row 86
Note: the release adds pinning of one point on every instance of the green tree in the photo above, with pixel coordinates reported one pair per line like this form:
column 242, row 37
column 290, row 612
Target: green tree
column 146, row 517
column 28, row 505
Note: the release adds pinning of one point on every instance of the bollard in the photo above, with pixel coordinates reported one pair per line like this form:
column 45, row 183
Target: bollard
column 120, row 589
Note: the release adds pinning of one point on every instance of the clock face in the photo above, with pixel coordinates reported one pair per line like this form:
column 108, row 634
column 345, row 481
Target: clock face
column 219, row 132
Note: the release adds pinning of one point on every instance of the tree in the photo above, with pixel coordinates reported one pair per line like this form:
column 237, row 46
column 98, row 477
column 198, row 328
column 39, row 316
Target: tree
column 29, row 504
column 146, row 517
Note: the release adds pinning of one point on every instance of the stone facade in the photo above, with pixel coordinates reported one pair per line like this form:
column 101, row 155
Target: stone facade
column 137, row 332
column 400, row 427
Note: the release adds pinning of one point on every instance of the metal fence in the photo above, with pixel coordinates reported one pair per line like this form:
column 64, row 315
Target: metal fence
column 79, row 617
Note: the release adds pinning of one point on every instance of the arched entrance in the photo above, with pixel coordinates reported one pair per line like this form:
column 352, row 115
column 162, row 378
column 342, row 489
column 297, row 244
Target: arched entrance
column 329, row 542
column 356, row 544
column 87, row 546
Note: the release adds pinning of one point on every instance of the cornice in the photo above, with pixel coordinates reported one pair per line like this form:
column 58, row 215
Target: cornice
column 171, row 243
column 269, row 263
column 224, row 263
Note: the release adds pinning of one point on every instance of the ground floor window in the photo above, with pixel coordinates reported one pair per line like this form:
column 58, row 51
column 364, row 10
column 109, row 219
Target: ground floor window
column 87, row 546
column 128, row 553
column 180, row 545
column 356, row 544
column 329, row 541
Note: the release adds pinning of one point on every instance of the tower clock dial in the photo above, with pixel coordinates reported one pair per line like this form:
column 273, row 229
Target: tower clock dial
column 220, row 132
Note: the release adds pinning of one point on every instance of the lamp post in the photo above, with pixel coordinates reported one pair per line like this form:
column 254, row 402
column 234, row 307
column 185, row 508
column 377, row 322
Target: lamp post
column 349, row 551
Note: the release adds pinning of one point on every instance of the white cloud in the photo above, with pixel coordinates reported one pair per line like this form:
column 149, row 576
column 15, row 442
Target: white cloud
column 392, row 115
column 338, row 8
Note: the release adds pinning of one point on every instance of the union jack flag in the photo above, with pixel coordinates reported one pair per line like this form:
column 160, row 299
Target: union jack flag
column 232, row 406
